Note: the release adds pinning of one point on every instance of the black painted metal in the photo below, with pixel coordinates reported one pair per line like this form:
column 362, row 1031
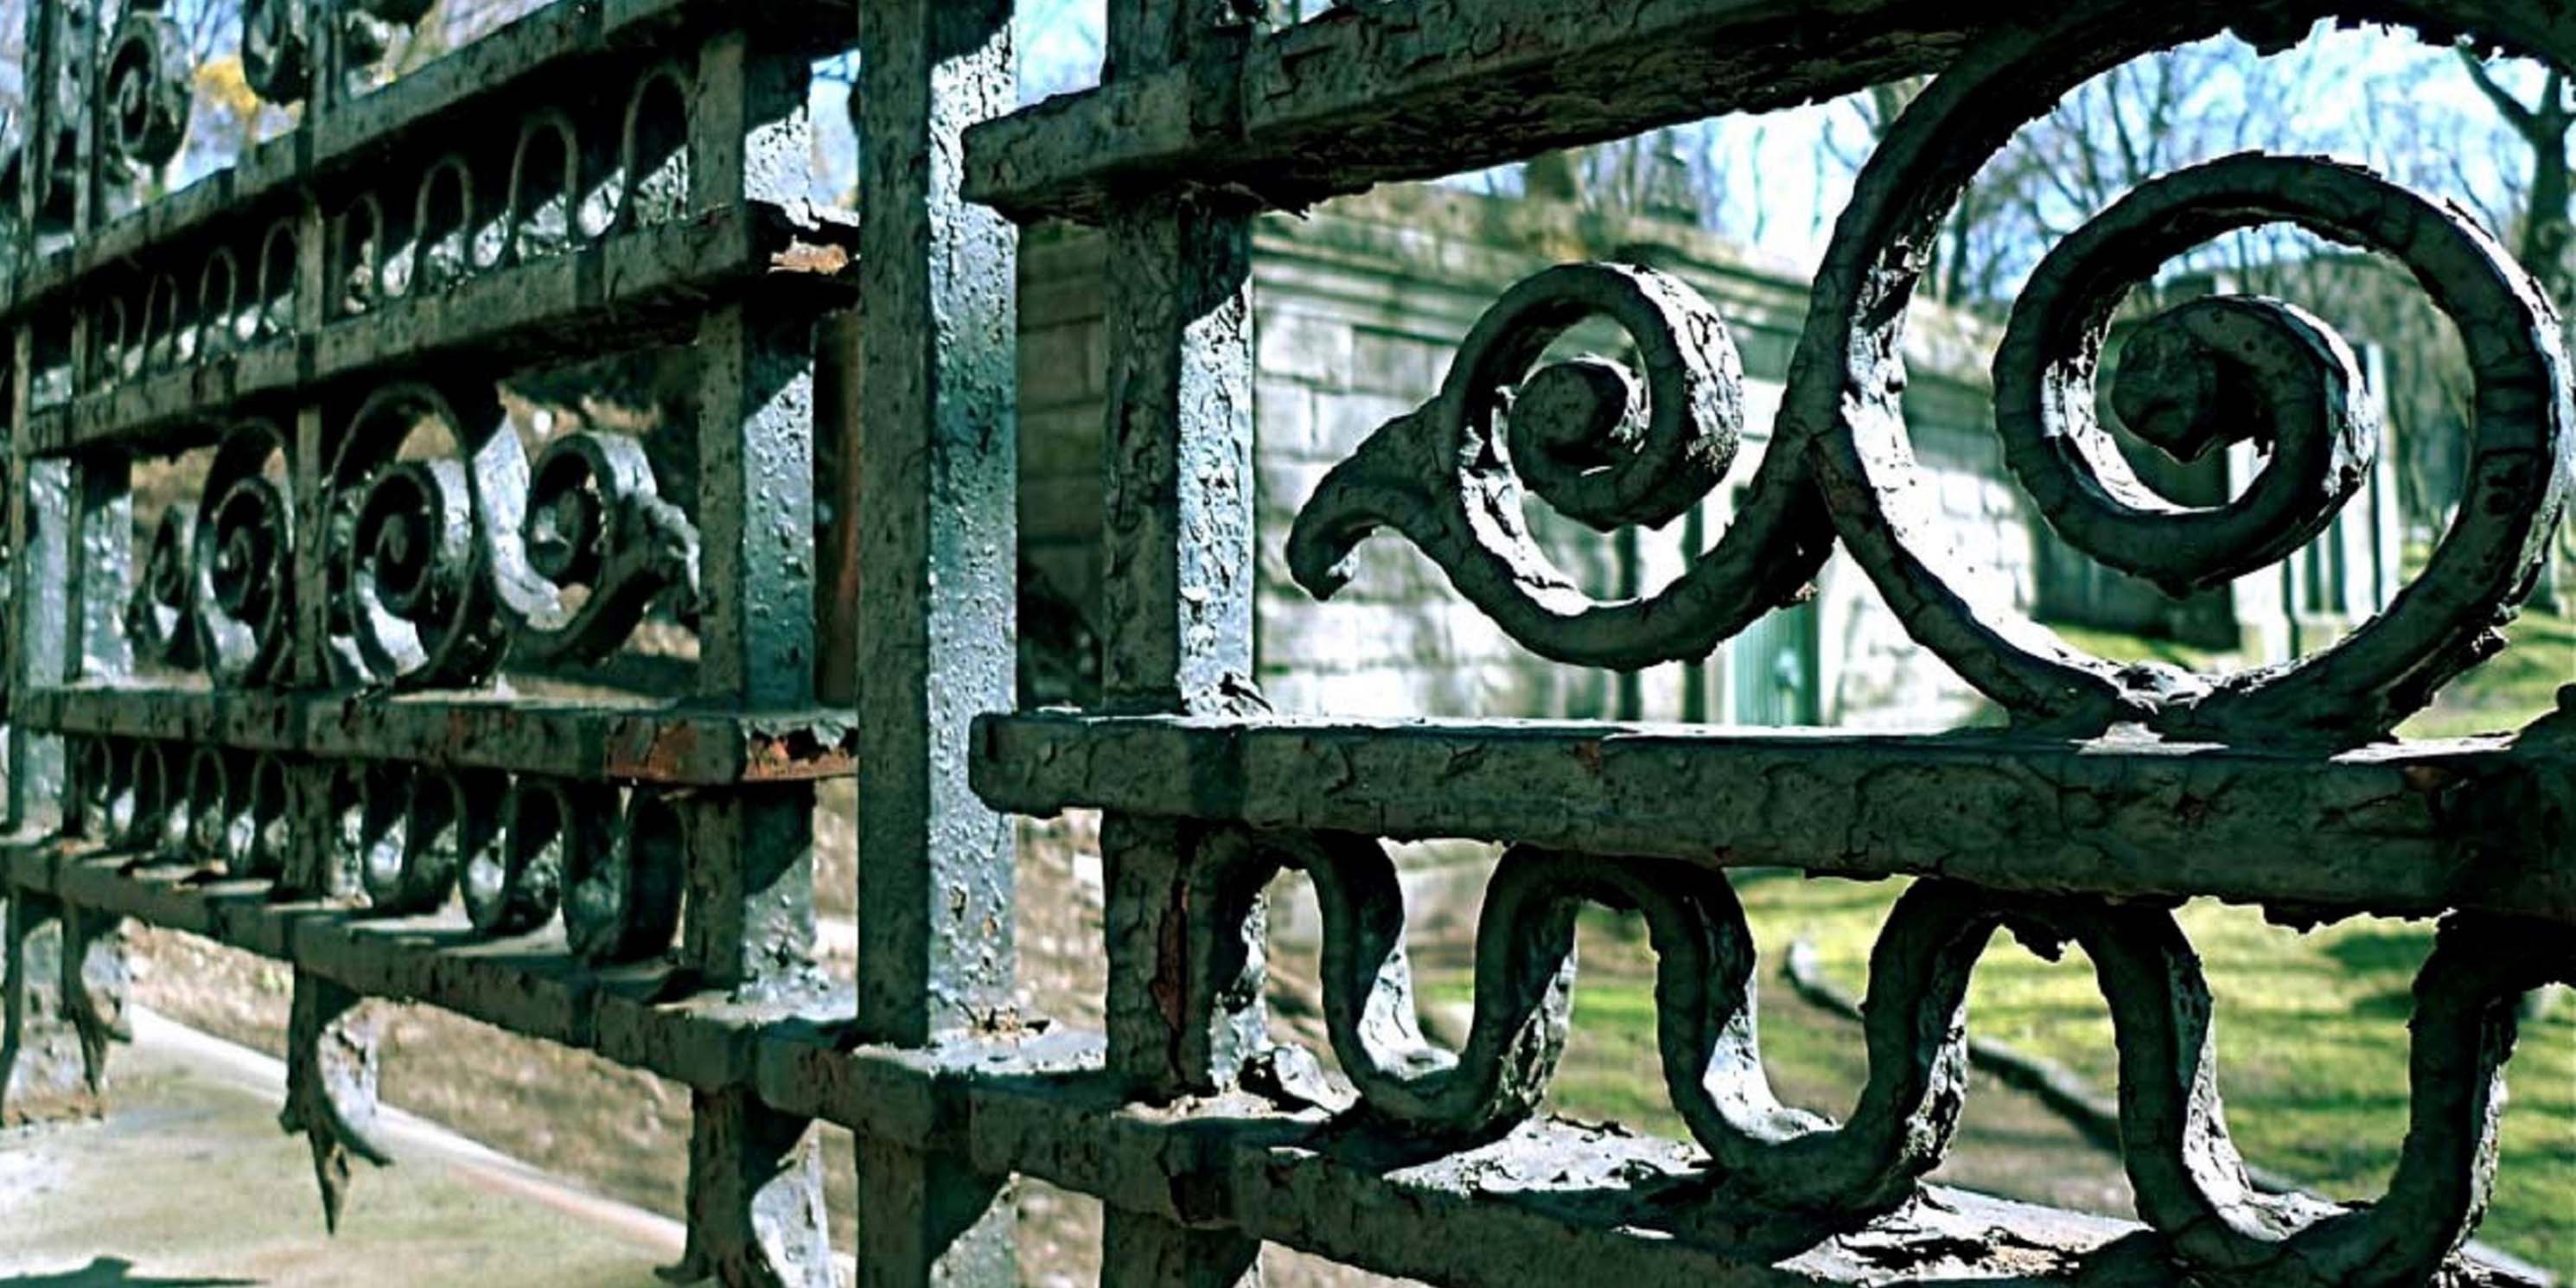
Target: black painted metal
column 324, row 687
column 312, row 712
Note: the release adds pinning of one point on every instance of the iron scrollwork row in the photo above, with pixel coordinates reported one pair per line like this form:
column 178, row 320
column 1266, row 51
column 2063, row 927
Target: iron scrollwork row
column 1777, row 1175
column 563, row 185
column 514, row 850
column 1611, row 448
column 143, row 81
column 132, row 60
column 440, row 563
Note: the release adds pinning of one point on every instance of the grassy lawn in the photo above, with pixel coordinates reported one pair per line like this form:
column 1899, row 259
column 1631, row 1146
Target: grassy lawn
column 2508, row 690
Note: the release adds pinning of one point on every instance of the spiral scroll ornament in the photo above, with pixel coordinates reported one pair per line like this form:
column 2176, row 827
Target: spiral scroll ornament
column 2300, row 402
column 2223, row 370
column 412, row 564
column 412, row 601
column 592, row 549
column 241, row 560
column 160, row 616
column 1595, row 441
column 1606, row 447
column 148, row 79
column 2194, row 379
column 276, row 50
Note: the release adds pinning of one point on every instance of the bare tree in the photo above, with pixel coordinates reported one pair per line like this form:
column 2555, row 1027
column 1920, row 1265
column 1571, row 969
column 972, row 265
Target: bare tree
column 2542, row 126
column 2544, row 230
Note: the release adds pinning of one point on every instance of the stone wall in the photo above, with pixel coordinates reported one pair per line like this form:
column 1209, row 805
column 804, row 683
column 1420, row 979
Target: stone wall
column 1358, row 308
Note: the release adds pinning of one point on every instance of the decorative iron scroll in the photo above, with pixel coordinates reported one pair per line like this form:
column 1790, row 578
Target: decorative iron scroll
column 316, row 333
column 1613, row 445
column 142, row 80
column 439, row 562
column 566, row 182
column 1592, row 441
column 516, row 849
column 1605, row 448
column 1777, row 1176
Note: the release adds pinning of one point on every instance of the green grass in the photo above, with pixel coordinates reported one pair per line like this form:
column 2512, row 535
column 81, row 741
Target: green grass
column 2508, row 690
column 2118, row 647
column 2311, row 1033
column 2501, row 694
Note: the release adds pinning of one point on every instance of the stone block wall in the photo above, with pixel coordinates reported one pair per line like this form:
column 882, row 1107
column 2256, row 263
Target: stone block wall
column 1359, row 307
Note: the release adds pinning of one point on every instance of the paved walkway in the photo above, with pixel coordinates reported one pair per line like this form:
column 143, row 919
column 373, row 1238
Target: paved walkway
column 189, row 1183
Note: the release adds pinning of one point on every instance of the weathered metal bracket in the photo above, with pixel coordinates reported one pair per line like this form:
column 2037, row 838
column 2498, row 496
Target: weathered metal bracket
column 64, row 988
column 755, row 1197
column 331, row 1065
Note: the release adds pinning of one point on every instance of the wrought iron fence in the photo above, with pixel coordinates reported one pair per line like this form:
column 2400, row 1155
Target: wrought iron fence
column 354, row 671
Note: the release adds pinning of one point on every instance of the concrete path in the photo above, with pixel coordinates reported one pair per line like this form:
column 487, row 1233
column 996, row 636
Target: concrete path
column 189, row 1182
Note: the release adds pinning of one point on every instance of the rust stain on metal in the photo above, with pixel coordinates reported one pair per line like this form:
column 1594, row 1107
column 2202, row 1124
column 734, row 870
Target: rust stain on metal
column 663, row 758
column 2427, row 778
column 819, row 258
column 795, row 752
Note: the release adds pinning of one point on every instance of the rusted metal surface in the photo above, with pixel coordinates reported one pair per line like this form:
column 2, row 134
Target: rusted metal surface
column 1370, row 93
column 645, row 741
column 1176, row 479
column 938, row 549
column 302, row 701
column 50, row 1067
column 2399, row 829
column 332, row 1060
column 283, row 718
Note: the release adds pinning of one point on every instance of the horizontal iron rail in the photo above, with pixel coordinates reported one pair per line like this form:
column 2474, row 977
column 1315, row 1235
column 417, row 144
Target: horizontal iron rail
column 1366, row 95
column 645, row 741
column 1384, row 93
column 546, row 50
column 636, row 288
column 2407, row 830
column 1556, row 1199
